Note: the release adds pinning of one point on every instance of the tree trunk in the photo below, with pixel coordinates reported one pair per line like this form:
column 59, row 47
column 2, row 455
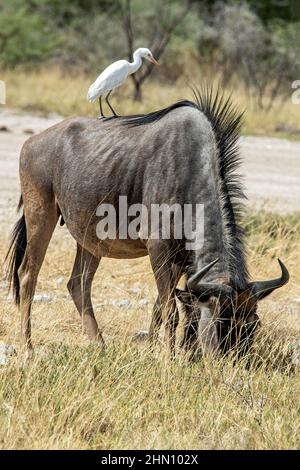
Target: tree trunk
column 157, row 47
column 137, row 96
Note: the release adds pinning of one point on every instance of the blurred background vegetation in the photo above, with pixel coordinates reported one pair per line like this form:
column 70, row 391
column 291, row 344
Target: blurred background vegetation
column 252, row 46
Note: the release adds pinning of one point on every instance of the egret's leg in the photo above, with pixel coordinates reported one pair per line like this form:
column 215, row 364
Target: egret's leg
column 110, row 107
column 101, row 110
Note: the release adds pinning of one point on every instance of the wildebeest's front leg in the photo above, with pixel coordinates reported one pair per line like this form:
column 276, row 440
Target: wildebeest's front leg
column 79, row 286
column 159, row 253
column 156, row 320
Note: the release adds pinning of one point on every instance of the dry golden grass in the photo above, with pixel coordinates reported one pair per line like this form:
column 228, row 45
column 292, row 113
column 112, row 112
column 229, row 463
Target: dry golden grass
column 51, row 90
column 70, row 396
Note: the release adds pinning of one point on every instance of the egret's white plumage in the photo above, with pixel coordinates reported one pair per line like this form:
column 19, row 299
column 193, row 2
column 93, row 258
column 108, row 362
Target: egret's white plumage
column 115, row 74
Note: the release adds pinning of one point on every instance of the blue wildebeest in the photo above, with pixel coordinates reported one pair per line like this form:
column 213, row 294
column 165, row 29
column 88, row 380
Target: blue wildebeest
column 185, row 154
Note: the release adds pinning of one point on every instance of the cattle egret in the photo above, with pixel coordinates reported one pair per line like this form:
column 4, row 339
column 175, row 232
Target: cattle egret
column 114, row 75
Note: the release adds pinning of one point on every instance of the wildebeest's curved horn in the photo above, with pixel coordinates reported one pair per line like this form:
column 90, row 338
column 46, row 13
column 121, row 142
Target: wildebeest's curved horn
column 208, row 288
column 263, row 288
column 194, row 280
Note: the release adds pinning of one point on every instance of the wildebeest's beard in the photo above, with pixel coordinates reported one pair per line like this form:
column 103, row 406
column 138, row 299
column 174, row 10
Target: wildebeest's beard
column 236, row 325
column 228, row 327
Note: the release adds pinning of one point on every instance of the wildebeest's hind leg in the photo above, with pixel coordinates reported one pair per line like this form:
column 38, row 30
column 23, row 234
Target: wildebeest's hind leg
column 79, row 286
column 159, row 253
column 40, row 219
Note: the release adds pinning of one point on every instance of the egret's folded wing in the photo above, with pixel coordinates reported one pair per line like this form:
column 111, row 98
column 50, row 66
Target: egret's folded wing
column 112, row 76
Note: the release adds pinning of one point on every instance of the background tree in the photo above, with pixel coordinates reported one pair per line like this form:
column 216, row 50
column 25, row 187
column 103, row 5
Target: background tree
column 22, row 36
column 170, row 19
column 254, row 42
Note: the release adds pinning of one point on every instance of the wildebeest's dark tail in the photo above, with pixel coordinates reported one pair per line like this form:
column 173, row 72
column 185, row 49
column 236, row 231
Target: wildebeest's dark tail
column 15, row 254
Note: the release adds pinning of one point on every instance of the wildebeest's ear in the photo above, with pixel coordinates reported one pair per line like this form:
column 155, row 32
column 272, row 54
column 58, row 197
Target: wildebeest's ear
column 186, row 297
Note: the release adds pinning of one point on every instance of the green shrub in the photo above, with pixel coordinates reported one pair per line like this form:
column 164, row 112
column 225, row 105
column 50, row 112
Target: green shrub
column 24, row 37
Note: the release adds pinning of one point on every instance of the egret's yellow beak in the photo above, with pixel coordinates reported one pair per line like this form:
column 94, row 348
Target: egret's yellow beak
column 153, row 61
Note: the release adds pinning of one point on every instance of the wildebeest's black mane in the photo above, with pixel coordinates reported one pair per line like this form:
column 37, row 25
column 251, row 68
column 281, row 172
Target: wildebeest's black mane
column 226, row 123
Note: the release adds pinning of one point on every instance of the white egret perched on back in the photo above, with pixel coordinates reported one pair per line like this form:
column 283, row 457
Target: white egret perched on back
column 115, row 74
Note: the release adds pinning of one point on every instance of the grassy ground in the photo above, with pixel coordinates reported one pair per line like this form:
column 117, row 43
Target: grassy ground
column 72, row 397
column 50, row 91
